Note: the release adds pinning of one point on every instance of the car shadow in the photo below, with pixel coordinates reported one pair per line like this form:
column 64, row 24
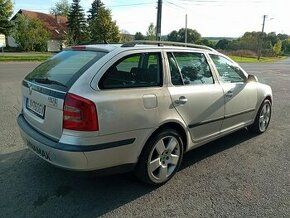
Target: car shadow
column 215, row 147
column 31, row 187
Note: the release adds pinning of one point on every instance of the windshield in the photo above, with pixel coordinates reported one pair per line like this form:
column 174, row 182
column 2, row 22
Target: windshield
column 64, row 68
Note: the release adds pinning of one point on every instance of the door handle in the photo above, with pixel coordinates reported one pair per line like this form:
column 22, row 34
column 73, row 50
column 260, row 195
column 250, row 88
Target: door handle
column 229, row 94
column 181, row 100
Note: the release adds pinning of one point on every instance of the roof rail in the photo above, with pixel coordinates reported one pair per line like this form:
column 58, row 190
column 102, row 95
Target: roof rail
column 162, row 43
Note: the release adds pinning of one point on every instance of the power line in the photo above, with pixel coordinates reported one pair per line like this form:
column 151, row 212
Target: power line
column 127, row 5
column 109, row 6
column 178, row 6
column 217, row 2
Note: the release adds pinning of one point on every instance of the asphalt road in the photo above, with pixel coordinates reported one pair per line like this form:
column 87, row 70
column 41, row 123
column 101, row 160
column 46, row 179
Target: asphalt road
column 241, row 175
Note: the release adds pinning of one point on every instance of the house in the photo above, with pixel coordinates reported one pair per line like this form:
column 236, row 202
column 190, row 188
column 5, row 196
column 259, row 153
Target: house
column 2, row 41
column 55, row 25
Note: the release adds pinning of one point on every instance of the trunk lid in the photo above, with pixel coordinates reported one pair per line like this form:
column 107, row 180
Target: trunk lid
column 43, row 109
column 45, row 88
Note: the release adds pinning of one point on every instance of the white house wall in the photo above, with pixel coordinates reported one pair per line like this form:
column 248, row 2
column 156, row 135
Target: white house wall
column 2, row 41
column 54, row 45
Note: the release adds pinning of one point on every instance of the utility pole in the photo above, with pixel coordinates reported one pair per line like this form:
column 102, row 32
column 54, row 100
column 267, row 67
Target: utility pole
column 158, row 23
column 260, row 39
column 185, row 37
column 264, row 19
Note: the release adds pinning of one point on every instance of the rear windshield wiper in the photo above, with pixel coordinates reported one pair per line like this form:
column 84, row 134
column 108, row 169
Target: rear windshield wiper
column 48, row 81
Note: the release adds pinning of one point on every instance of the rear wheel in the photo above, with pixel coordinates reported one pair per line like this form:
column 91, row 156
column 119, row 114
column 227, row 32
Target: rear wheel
column 263, row 118
column 160, row 158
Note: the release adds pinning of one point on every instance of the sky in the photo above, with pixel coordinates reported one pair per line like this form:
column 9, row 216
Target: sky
column 211, row 18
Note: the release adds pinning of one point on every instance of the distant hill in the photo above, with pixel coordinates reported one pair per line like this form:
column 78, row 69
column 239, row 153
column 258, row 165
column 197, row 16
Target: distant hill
column 218, row 38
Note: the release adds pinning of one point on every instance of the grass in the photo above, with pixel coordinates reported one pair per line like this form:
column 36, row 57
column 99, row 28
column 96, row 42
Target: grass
column 254, row 59
column 24, row 58
column 43, row 57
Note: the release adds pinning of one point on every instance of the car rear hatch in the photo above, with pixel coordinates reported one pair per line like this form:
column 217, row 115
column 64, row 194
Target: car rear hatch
column 46, row 87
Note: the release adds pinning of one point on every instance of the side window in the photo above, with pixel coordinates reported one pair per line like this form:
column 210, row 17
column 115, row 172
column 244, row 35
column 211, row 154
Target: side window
column 191, row 69
column 128, row 64
column 137, row 70
column 227, row 70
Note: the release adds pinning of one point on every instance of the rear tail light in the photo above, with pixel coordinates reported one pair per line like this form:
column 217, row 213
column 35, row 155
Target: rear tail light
column 79, row 114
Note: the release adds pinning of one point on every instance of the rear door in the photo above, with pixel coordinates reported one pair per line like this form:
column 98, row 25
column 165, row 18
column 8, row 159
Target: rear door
column 44, row 89
column 195, row 94
column 131, row 93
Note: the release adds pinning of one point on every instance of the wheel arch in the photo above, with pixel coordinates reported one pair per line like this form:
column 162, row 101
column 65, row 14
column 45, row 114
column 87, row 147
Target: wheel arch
column 177, row 127
column 268, row 97
column 170, row 125
column 141, row 167
column 259, row 103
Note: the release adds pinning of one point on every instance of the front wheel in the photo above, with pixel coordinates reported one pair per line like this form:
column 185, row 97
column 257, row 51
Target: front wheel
column 263, row 118
column 160, row 158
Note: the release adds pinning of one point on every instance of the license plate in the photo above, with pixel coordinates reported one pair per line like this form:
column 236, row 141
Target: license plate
column 35, row 107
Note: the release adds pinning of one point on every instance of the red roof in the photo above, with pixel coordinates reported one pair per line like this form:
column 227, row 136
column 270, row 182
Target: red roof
column 55, row 25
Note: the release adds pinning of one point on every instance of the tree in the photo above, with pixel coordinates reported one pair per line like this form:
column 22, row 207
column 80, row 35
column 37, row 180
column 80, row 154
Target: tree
column 272, row 37
column 286, row 46
column 222, row 44
column 94, row 9
column 30, row 34
column 282, row 36
column 61, row 8
column 277, row 47
column 102, row 28
column 207, row 42
column 139, row 36
column 151, row 33
column 6, row 10
column 76, row 24
column 250, row 40
column 192, row 36
column 173, row 36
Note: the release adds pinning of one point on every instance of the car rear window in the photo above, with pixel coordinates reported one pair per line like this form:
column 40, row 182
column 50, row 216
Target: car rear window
column 63, row 69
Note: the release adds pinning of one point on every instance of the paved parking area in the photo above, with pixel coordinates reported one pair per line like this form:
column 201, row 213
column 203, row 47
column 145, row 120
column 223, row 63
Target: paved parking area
column 241, row 175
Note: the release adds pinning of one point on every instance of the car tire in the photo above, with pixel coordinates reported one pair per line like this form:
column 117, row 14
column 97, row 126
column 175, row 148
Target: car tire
column 160, row 158
column 263, row 118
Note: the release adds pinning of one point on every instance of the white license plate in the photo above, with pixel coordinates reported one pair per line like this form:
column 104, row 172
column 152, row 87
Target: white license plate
column 35, row 107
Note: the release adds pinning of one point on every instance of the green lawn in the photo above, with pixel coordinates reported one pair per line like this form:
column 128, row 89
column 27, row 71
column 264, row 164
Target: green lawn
column 24, row 58
column 254, row 60
column 43, row 57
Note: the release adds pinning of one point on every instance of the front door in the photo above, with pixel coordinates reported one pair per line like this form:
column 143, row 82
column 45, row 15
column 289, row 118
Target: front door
column 240, row 96
column 195, row 95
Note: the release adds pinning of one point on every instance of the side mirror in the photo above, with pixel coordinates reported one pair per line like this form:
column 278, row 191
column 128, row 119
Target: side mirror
column 252, row 78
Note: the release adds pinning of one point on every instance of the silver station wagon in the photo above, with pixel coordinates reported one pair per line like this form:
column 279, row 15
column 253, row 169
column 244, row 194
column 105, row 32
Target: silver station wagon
column 137, row 107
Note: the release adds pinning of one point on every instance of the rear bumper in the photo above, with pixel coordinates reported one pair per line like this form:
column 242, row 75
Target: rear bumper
column 76, row 157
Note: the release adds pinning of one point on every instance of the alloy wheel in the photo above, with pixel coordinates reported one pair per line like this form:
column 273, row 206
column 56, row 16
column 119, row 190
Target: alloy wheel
column 164, row 158
column 264, row 118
